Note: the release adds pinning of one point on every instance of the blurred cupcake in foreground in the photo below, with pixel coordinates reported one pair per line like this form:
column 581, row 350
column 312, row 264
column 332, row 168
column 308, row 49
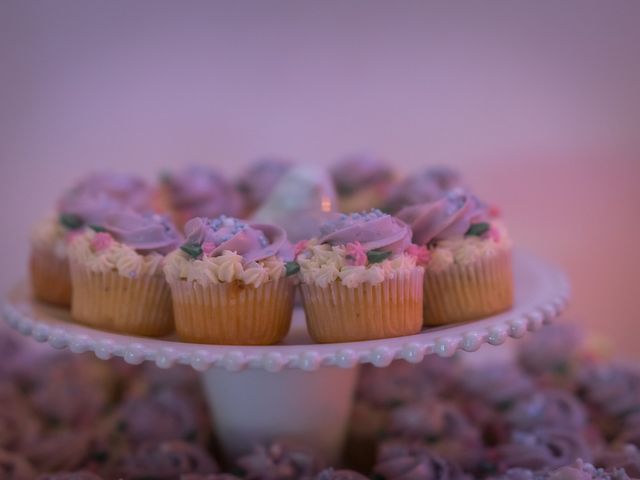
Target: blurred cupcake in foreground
column 229, row 283
column 117, row 277
column 469, row 273
column 199, row 191
column 258, row 181
column 361, row 279
column 88, row 202
column 428, row 185
column 362, row 182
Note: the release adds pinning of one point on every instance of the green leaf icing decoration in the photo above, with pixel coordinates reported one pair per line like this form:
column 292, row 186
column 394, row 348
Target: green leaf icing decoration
column 191, row 249
column 70, row 221
column 478, row 229
column 97, row 228
column 377, row 256
column 291, row 268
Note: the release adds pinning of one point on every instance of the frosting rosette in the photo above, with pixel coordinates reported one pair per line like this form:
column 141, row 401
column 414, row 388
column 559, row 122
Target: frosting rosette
column 450, row 217
column 144, row 233
column 373, row 230
column 201, row 191
column 252, row 241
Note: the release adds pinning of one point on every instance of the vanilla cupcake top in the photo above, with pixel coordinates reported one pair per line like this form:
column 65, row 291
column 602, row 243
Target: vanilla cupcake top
column 201, row 191
column 226, row 249
column 365, row 247
column 457, row 229
column 127, row 242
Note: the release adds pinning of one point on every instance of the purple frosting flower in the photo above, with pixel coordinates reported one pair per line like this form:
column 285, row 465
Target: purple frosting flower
column 144, row 233
column 279, row 461
column 82, row 208
column 447, row 218
column 130, row 190
column 621, row 456
column 497, row 384
column 359, row 171
column 374, row 230
column 552, row 407
column 544, row 448
column 551, row 350
column 166, row 461
column 259, row 180
column 615, row 389
column 399, row 460
column 202, row 192
column 427, row 186
column 252, row 241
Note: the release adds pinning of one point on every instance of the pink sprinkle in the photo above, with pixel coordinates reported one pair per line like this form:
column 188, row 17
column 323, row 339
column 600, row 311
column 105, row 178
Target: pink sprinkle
column 356, row 255
column 208, row 247
column 101, row 241
column 299, row 247
column 494, row 211
column 494, row 234
column 420, row 253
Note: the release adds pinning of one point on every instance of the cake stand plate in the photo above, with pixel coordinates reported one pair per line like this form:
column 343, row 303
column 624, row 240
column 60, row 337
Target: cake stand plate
column 296, row 389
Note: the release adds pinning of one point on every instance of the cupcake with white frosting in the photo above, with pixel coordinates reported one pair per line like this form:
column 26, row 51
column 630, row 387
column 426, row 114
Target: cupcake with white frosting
column 116, row 274
column 469, row 273
column 361, row 279
column 88, row 202
column 229, row 283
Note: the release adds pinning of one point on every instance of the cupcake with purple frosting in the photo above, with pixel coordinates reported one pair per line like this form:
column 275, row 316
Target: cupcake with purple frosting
column 259, row 180
column 362, row 182
column 88, row 202
column 199, row 191
column 229, row 282
column 116, row 273
column 469, row 273
column 361, row 279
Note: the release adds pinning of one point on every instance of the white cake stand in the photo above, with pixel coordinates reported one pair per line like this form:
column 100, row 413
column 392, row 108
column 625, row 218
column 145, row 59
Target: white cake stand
column 297, row 389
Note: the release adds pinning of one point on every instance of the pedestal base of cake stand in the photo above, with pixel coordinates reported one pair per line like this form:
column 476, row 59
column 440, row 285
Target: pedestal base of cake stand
column 254, row 407
column 295, row 390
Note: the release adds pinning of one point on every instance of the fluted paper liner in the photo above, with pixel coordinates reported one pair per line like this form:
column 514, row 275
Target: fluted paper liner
column 467, row 292
column 110, row 301
column 392, row 308
column 50, row 277
column 233, row 313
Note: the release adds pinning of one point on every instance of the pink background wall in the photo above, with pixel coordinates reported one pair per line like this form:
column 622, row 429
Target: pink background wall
column 538, row 103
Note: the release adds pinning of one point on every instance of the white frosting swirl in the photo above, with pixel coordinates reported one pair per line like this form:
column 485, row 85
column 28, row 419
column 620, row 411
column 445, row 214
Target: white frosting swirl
column 49, row 234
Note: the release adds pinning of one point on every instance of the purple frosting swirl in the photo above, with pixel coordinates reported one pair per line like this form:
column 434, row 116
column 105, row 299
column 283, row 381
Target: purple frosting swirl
column 374, row 230
column 398, row 460
column 444, row 219
column 202, row 191
column 144, row 233
column 552, row 407
column 98, row 195
column 360, row 171
column 259, row 180
column 252, row 241
column 427, row 186
column 279, row 461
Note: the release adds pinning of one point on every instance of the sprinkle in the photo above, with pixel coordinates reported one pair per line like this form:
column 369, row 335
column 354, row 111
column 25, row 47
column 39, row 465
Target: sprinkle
column 101, row 241
column 191, row 249
column 355, row 254
column 291, row 268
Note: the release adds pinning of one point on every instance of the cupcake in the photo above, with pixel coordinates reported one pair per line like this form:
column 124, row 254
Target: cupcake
column 259, row 180
column 428, row 185
column 116, row 274
column 87, row 203
column 362, row 182
column 469, row 273
column 361, row 279
column 229, row 283
column 199, row 191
